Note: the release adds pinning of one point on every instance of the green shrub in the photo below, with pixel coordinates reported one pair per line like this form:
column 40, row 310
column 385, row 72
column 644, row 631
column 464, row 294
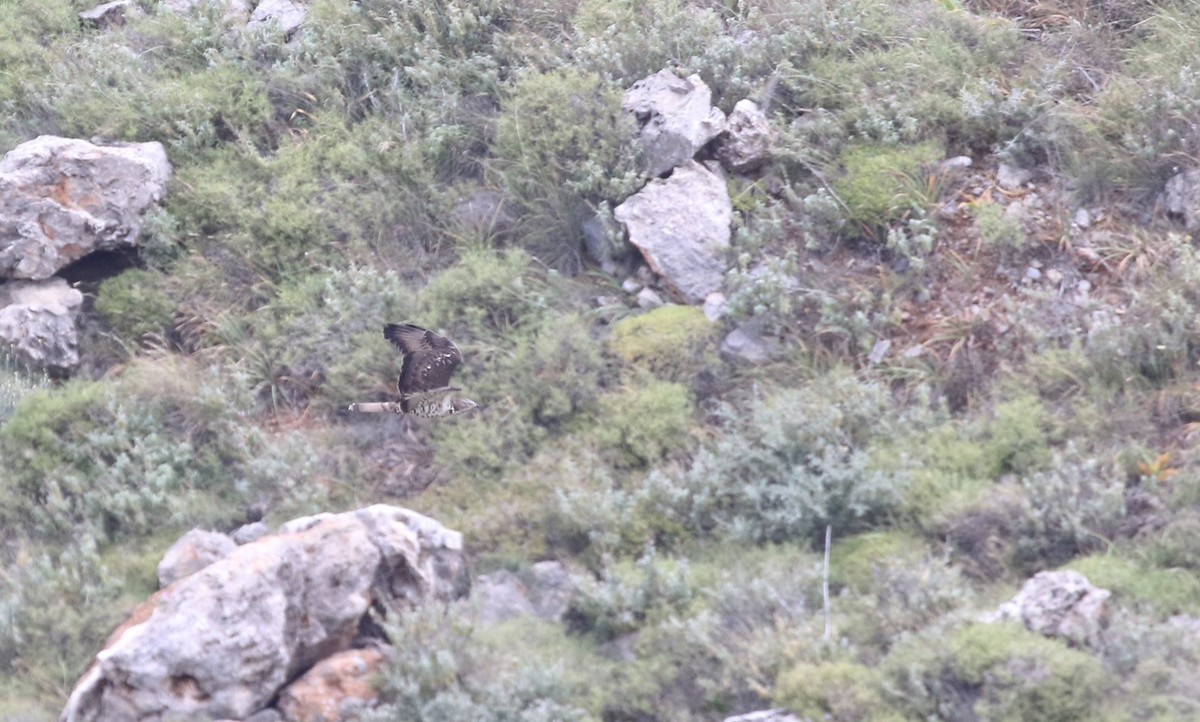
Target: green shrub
column 562, row 145
column 441, row 672
column 998, row 672
column 629, row 596
column 642, row 424
column 135, row 304
column 671, row 341
column 1160, row 592
column 874, row 186
column 799, row 459
column 486, row 289
column 843, row 691
column 855, row 562
column 17, row 381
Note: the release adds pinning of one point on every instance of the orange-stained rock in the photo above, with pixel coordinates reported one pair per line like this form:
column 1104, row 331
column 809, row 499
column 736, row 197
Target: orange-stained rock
column 335, row 689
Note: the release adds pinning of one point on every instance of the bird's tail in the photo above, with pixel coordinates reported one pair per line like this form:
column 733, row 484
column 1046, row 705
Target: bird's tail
column 377, row 407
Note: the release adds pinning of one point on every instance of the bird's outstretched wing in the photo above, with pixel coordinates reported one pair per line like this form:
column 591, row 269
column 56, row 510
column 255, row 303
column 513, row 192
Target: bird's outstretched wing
column 429, row 359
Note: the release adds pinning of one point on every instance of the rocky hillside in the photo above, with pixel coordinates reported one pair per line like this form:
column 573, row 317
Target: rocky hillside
column 835, row 361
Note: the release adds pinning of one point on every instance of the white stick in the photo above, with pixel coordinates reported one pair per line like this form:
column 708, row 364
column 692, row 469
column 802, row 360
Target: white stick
column 825, row 585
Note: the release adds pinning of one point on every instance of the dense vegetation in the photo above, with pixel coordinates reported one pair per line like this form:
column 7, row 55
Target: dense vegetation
column 1021, row 421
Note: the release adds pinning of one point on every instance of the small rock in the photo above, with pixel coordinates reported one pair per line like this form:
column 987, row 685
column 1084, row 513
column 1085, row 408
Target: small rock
column 109, row 14
column 677, row 118
column 287, row 14
column 1059, row 604
column 193, row 552
column 1011, row 178
column 879, row 351
column 913, row 351
column 749, row 346
column 747, row 143
column 1032, row 274
column 604, row 242
column 955, row 164
column 270, row 714
column 1083, row 219
column 648, row 298
column 681, row 225
column 553, row 590
column 250, row 532
column 500, row 596
column 1181, row 197
column 631, row 285
column 38, row 323
column 1054, row 275
column 603, row 301
column 715, row 306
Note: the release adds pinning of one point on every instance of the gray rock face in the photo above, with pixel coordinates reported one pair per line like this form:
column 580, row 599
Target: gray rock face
column 194, row 551
column 747, row 144
column 289, row 15
column 681, row 226
column 61, row 199
column 37, row 322
column 1059, row 604
column 676, row 116
column 222, row 642
column 1182, row 198
column 546, row 595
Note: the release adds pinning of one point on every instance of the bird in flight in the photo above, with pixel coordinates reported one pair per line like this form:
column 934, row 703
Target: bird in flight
column 424, row 383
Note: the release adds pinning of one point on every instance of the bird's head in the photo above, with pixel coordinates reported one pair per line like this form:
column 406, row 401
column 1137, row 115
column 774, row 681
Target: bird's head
column 458, row 406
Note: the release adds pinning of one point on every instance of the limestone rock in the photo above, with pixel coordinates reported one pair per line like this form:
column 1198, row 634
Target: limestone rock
column 677, row 118
column 247, row 533
column 288, row 14
column 61, row 199
column 749, row 345
column 747, row 144
column 715, row 306
column 37, row 322
column 604, row 242
column 194, row 551
column 546, row 592
column 109, row 14
column 1011, row 177
column 501, row 596
column 336, row 688
column 648, row 298
column 1059, row 604
column 224, row 641
column 1181, row 197
column 681, row 226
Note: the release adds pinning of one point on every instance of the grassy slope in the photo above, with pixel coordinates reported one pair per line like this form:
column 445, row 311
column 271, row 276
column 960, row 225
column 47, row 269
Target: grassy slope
column 1018, row 423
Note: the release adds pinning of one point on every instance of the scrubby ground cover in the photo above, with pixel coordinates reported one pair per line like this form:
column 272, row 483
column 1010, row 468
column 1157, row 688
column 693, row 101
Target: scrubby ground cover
column 1019, row 420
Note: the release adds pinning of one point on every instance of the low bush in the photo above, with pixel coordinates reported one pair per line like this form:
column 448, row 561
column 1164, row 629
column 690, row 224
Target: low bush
column 643, row 424
column 997, row 672
column 843, row 691
column 876, row 183
column 672, row 342
column 135, row 304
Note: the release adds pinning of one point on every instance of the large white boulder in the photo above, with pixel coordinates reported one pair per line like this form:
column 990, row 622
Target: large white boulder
column 677, row 118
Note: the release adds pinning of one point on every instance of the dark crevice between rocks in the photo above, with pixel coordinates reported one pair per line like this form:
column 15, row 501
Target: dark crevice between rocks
column 90, row 271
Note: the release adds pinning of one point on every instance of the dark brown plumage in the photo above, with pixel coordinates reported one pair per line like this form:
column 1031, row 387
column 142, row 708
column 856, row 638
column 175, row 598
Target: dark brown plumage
column 424, row 382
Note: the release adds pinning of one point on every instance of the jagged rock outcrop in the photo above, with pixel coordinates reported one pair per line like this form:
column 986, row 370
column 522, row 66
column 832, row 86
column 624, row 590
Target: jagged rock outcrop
column 223, row 642
column 747, row 143
column 1059, row 604
column 676, row 116
column 38, row 323
column 61, row 199
column 336, row 688
column 194, row 551
column 681, row 226
column 1181, row 197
